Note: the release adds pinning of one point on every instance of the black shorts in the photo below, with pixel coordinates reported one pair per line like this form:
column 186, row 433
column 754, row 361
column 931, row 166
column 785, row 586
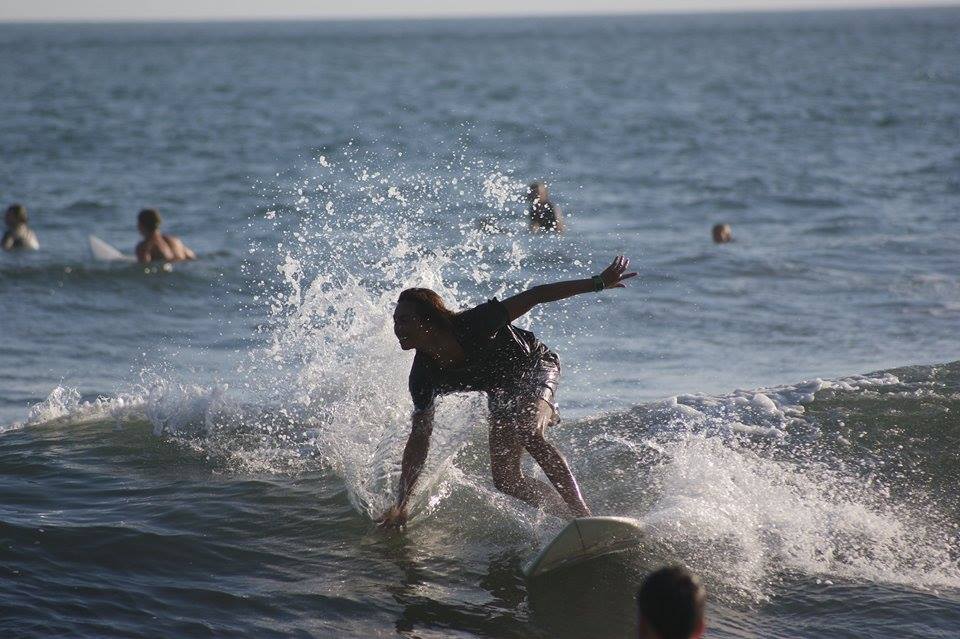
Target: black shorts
column 538, row 381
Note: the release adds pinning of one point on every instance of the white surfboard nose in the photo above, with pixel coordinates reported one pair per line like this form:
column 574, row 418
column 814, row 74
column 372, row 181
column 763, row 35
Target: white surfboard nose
column 103, row 252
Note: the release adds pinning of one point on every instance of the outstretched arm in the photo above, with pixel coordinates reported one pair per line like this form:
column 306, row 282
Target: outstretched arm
column 612, row 277
column 414, row 457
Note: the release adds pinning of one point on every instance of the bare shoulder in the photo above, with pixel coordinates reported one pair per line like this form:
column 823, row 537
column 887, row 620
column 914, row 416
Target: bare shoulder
column 180, row 250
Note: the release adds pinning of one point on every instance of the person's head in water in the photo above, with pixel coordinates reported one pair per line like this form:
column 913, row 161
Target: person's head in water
column 419, row 314
column 722, row 233
column 670, row 605
column 544, row 214
column 537, row 193
column 15, row 216
column 148, row 221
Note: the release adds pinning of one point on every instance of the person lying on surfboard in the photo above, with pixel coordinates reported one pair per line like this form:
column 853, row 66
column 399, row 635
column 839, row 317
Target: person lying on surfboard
column 480, row 350
column 156, row 245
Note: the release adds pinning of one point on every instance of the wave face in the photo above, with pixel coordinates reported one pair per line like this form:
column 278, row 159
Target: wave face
column 221, row 434
column 787, row 500
column 784, row 498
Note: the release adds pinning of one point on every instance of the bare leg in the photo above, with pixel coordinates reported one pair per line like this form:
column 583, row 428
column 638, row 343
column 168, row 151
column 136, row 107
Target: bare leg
column 531, row 435
column 505, row 454
column 507, row 442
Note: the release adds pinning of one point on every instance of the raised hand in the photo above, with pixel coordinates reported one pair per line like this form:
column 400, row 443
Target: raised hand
column 614, row 274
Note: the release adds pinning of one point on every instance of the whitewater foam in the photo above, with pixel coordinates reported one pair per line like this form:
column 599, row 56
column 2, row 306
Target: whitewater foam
column 737, row 484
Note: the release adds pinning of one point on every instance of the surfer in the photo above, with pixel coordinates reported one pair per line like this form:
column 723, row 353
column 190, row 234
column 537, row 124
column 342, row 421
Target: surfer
column 544, row 214
column 670, row 605
column 156, row 245
column 18, row 235
column 479, row 349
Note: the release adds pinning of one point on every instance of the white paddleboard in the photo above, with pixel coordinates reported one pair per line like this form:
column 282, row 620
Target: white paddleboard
column 103, row 252
column 584, row 539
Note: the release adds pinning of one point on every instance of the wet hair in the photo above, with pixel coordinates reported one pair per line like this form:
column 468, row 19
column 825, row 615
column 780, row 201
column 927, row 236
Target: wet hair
column 150, row 219
column 18, row 212
column 671, row 601
column 538, row 189
column 430, row 306
column 722, row 233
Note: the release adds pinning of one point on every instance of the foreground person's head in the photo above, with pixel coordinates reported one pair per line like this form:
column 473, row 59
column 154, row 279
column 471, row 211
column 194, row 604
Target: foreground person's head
column 15, row 216
column 670, row 604
column 419, row 315
column 148, row 221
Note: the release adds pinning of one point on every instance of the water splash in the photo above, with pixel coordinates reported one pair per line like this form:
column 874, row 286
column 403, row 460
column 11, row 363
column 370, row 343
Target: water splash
column 751, row 488
column 745, row 486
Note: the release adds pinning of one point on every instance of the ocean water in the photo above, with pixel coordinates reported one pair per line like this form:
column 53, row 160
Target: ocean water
column 200, row 450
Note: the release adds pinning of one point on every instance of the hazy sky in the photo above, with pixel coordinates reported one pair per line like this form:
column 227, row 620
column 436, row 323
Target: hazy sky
column 201, row 9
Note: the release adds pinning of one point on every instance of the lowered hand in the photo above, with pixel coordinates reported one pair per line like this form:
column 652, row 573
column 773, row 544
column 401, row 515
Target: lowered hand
column 394, row 518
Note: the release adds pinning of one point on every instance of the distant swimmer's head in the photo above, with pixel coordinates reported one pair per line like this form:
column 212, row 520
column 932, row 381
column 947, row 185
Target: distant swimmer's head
column 670, row 604
column 537, row 192
column 722, row 233
column 15, row 216
column 419, row 315
column 148, row 221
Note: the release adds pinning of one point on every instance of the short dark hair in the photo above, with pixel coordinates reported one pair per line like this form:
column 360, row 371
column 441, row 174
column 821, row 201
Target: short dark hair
column 671, row 600
column 19, row 213
column 537, row 190
column 150, row 219
column 721, row 233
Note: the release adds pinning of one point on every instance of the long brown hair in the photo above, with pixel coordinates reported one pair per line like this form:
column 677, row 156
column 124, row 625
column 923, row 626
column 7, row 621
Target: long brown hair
column 430, row 306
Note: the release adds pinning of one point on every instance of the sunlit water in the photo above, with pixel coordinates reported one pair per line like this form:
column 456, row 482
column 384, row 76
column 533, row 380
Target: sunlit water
column 200, row 451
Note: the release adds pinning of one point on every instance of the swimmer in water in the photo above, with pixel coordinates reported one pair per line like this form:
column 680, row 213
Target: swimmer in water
column 544, row 214
column 157, row 246
column 479, row 349
column 18, row 235
column 722, row 233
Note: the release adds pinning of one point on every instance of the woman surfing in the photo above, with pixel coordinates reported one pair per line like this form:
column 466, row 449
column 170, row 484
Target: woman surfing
column 480, row 350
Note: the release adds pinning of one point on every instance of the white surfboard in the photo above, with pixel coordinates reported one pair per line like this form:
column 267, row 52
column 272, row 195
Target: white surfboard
column 584, row 539
column 103, row 252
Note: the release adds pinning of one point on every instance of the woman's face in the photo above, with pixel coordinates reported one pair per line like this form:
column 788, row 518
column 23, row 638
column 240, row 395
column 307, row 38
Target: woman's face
column 409, row 327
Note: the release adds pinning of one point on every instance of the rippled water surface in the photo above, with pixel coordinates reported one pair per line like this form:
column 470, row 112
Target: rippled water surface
column 199, row 451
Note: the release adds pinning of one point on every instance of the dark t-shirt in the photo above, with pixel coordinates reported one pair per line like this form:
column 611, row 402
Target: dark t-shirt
column 497, row 353
column 545, row 214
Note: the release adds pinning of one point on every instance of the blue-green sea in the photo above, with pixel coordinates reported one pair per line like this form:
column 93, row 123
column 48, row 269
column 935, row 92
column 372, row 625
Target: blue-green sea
column 200, row 450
